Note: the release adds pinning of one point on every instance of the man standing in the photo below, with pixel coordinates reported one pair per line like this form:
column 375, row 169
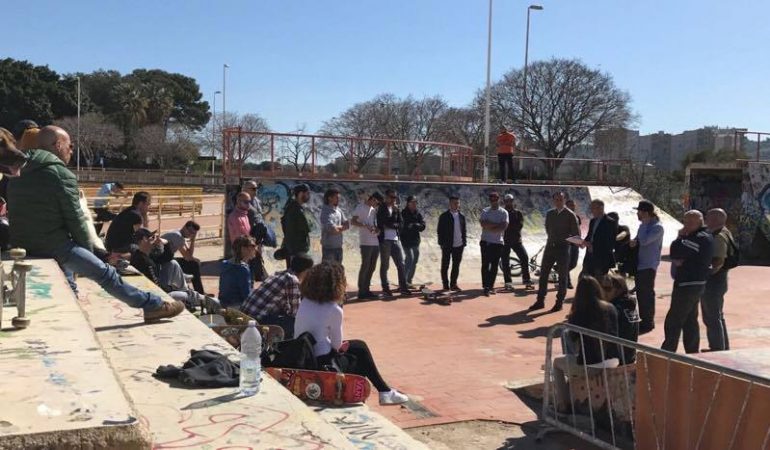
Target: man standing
column 389, row 222
column 238, row 220
column 414, row 224
column 713, row 299
column 296, row 228
column 649, row 240
column 255, row 210
column 600, row 242
column 177, row 241
column 691, row 255
column 102, row 203
column 560, row 224
column 506, row 142
column 452, row 239
column 120, row 234
column 333, row 224
column 574, row 250
column 494, row 221
column 513, row 242
column 47, row 221
column 365, row 219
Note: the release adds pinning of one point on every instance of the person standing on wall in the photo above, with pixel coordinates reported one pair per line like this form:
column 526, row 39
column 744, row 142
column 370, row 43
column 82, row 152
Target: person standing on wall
column 712, row 301
column 560, row 224
column 452, row 238
column 649, row 240
column 390, row 222
column 494, row 221
column 365, row 219
column 599, row 242
column 296, row 227
column 506, row 143
column 333, row 224
column 414, row 224
column 512, row 239
column 574, row 250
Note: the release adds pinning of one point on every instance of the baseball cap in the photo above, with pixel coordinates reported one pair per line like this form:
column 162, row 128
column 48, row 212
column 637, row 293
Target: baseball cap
column 508, row 197
column 142, row 233
column 646, row 206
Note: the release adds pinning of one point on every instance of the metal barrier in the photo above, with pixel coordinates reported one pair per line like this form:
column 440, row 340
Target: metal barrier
column 624, row 398
column 536, row 169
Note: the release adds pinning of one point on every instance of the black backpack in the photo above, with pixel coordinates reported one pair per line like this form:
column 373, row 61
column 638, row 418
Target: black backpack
column 733, row 258
column 294, row 353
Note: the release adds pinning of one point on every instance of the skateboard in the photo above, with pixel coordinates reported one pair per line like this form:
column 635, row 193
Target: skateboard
column 232, row 334
column 326, row 387
column 442, row 298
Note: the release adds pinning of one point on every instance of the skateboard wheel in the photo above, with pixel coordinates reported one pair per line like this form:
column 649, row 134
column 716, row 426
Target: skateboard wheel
column 20, row 322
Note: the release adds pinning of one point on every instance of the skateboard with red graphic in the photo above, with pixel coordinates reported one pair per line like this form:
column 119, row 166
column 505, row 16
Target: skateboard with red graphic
column 326, row 387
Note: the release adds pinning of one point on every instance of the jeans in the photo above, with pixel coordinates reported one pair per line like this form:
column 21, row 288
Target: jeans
column 75, row 259
column 521, row 253
column 554, row 254
column 192, row 268
column 410, row 263
column 682, row 319
column 711, row 304
column 645, row 296
column 490, row 260
column 331, row 254
column 505, row 162
column 171, row 275
column 456, row 255
column 392, row 249
column 369, row 255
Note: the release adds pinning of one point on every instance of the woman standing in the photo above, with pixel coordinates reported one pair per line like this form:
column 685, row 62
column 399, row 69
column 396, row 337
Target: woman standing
column 413, row 225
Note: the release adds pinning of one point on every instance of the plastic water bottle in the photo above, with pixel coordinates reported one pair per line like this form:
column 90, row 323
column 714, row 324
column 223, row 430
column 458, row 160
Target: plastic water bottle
column 251, row 366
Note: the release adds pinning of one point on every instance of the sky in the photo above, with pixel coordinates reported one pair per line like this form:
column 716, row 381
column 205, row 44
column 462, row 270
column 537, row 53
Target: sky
column 685, row 63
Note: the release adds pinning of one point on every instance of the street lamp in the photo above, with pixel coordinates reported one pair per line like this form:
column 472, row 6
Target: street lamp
column 487, row 96
column 526, row 49
column 214, row 131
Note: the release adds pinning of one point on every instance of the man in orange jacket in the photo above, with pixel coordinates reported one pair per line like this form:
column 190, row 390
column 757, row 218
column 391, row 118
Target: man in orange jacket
column 506, row 143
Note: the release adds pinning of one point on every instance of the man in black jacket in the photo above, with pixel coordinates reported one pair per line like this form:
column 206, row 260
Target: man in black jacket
column 452, row 238
column 599, row 242
column 691, row 255
column 120, row 234
column 410, row 237
column 296, row 228
column 389, row 222
column 512, row 240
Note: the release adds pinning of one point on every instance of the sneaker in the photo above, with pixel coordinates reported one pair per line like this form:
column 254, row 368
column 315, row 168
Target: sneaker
column 492, row 291
column 508, row 286
column 411, row 287
column 445, row 287
column 540, row 304
column 455, row 288
column 486, row 292
column 392, row 397
column 387, row 292
column 405, row 292
column 165, row 311
column 529, row 285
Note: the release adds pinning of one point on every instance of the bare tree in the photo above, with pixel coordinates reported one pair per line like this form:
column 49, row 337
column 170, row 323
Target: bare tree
column 174, row 149
column 415, row 120
column 463, row 126
column 252, row 146
column 566, row 103
column 97, row 135
column 296, row 151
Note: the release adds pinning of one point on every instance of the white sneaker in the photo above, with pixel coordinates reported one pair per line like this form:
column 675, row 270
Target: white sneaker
column 392, row 397
column 508, row 286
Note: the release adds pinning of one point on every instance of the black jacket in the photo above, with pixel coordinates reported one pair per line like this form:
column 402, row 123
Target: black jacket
column 515, row 224
column 385, row 219
column 296, row 229
column 696, row 250
column 602, row 256
column 413, row 224
column 446, row 230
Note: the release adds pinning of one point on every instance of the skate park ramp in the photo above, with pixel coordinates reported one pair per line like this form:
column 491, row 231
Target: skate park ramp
column 433, row 199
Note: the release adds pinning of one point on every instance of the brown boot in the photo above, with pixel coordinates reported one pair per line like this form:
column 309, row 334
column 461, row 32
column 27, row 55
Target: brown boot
column 165, row 311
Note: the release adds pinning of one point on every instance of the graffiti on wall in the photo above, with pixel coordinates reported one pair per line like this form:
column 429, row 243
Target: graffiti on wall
column 755, row 203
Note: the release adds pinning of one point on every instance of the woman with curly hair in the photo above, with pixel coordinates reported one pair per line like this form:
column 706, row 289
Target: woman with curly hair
column 320, row 314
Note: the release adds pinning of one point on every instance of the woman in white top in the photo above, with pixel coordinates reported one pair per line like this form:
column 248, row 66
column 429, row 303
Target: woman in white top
column 320, row 314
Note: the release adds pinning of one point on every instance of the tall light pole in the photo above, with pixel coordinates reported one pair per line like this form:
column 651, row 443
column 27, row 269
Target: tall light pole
column 78, row 131
column 224, row 110
column 526, row 50
column 214, row 131
column 487, row 95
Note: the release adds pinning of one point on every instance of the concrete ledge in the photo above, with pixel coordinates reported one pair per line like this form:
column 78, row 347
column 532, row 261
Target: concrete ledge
column 57, row 389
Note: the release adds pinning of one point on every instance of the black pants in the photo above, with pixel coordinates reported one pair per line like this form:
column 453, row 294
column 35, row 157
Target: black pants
column 192, row 268
column 5, row 236
column 505, row 161
column 521, row 253
column 554, row 254
column 103, row 215
column 682, row 319
column 596, row 265
column 362, row 363
column 645, row 296
column 456, row 255
column 490, row 261
column 285, row 322
column 711, row 304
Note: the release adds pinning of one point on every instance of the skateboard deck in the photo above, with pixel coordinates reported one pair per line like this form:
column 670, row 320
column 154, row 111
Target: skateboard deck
column 232, row 334
column 443, row 298
column 327, row 387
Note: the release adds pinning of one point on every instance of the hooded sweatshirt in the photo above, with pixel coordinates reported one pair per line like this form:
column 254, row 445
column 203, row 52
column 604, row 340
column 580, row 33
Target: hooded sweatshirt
column 234, row 283
column 44, row 212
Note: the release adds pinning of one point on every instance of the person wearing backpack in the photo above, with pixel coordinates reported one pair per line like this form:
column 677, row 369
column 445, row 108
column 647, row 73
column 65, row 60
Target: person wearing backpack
column 725, row 257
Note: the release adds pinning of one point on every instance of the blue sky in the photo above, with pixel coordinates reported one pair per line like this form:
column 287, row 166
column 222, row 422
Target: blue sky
column 686, row 63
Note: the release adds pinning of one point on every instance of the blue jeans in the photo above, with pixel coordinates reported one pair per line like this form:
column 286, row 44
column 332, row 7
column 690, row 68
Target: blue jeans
column 410, row 262
column 388, row 250
column 75, row 259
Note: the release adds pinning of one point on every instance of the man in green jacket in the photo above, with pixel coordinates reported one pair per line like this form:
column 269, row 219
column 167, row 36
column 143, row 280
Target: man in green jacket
column 47, row 221
column 296, row 228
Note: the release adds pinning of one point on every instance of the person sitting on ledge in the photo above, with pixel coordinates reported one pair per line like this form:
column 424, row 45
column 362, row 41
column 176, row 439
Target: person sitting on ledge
column 320, row 314
column 276, row 300
column 235, row 281
column 120, row 234
column 47, row 221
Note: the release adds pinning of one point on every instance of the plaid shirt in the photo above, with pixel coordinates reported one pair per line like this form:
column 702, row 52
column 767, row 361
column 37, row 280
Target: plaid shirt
column 278, row 295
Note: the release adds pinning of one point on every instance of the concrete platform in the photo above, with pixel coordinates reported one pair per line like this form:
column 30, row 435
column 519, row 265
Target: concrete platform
column 56, row 386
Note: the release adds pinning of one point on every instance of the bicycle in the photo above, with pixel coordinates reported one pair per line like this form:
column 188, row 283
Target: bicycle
column 534, row 267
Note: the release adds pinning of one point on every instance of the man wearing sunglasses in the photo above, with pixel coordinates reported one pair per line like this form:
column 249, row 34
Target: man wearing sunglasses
column 389, row 221
column 494, row 221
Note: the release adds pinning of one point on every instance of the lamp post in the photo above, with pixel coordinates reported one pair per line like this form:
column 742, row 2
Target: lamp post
column 214, row 131
column 78, row 130
column 526, row 49
column 487, row 96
